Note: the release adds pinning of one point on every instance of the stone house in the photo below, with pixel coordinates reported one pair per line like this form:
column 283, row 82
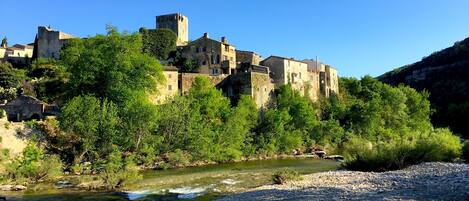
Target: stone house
column 49, row 42
column 18, row 54
column 169, row 88
column 328, row 77
column 254, row 82
column 26, row 108
column 214, row 57
column 289, row 71
column 244, row 58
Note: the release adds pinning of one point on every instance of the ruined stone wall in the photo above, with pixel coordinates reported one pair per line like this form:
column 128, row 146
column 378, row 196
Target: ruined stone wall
column 186, row 80
column 245, row 57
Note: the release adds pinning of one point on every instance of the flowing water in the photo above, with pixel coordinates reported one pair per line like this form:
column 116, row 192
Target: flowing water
column 195, row 183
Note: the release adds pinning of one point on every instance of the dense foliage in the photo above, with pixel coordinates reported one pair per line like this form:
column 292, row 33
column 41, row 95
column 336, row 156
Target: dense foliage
column 158, row 42
column 444, row 74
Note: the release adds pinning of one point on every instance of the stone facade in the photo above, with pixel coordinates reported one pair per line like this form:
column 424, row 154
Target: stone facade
column 214, row 57
column 17, row 54
column 27, row 107
column 247, row 57
column 50, row 42
column 169, row 88
column 255, row 83
column 177, row 23
column 328, row 77
column 289, row 71
column 186, row 80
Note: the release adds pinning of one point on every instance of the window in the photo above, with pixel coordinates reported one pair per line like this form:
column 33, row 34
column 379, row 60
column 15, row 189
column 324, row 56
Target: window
column 218, row 58
column 204, row 62
column 170, row 87
column 215, row 71
column 204, row 49
column 197, row 50
column 169, row 75
column 227, row 48
column 225, row 58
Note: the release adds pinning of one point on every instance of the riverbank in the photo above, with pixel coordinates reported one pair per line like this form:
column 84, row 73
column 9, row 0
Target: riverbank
column 427, row 181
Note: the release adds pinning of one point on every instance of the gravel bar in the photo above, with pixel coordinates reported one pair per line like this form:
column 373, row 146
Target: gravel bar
column 426, row 181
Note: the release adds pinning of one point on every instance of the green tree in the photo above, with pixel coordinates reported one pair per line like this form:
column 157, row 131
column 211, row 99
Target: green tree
column 110, row 66
column 158, row 42
column 93, row 123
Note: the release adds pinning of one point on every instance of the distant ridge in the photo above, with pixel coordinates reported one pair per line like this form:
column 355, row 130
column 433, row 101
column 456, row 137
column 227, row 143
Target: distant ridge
column 445, row 74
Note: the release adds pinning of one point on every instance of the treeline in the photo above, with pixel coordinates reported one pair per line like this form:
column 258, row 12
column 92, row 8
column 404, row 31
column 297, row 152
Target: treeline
column 108, row 126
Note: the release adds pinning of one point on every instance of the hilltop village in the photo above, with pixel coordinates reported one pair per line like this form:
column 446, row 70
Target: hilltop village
column 235, row 72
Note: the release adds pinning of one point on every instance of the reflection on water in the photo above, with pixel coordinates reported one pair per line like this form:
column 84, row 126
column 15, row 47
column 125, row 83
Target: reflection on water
column 196, row 183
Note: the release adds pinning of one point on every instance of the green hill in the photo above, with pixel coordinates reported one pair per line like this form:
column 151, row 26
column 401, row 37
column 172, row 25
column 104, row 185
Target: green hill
column 445, row 74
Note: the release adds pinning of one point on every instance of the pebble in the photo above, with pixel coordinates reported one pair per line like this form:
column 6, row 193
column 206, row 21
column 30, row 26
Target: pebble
column 426, row 181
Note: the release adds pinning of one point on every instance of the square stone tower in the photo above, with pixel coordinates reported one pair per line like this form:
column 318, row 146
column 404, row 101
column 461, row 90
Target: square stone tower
column 177, row 23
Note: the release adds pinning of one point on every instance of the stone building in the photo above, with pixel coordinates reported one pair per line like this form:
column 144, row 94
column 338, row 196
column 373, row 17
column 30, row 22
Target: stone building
column 328, row 77
column 49, row 42
column 214, row 57
column 169, row 88
column 244, row 58
column 178, row 23
column 27, row 108
column 17, row 54
column 254, row 82
column 289, row 71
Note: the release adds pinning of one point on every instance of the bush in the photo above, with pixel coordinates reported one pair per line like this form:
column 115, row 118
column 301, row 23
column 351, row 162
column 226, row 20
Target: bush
column 119, row 170
column 439, row 145
column 465, row 151
column 33, row 165
column 2, row 113
column 178, row 158
column 285, row 175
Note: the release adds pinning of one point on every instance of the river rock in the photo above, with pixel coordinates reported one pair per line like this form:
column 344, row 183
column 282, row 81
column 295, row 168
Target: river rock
column 334, row 157
column 9, row 187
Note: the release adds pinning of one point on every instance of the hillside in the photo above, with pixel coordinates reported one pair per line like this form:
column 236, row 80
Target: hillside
column 445, row 74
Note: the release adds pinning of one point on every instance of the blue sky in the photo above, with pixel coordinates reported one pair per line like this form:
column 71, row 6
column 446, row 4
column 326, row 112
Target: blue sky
column 358, row 37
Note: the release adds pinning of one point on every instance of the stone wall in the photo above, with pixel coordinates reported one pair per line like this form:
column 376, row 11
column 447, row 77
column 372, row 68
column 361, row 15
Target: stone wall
column 186, row 80
column 50, row 42
column 256, row 85
column 168, row 89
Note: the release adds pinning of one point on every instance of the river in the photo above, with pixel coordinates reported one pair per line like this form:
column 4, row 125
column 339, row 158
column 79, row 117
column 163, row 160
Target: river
column 195, row 183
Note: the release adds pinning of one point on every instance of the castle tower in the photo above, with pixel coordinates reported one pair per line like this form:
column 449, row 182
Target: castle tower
column 177, row 23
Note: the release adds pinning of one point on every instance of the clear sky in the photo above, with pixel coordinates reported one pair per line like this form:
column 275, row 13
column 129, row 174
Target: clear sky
column 358, row 37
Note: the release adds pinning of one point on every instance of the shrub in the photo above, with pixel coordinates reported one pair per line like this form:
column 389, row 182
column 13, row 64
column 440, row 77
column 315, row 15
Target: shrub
column 2, row 113
column 285, row 175
column 439, row 145
column 178, row 158
column 119, row 170
column 465, row 151
column 33, row 165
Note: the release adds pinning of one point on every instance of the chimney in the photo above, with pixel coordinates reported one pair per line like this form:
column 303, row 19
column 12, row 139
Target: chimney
column 223, row 39
column 205, row 35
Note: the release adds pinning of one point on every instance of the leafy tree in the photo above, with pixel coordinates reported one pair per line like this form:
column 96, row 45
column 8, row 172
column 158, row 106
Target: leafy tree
column 93, row 123
column 110, row 66
column 158, row 42
column 49, row 79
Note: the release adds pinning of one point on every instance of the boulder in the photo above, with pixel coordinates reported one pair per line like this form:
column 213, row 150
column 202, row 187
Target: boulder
column 334, row 157
column 9, row 187
column 321, row 154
